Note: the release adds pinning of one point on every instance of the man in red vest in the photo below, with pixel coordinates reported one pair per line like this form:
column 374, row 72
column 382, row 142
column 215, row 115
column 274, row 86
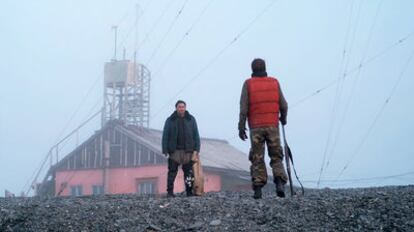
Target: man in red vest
column 263, row 105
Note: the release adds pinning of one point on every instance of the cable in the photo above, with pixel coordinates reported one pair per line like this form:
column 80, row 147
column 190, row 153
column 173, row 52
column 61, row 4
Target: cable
column 215, row 58
column 83, row 100
column 37, row 173
column 91, row 112
column 154, row 26
column 365, row 179
column 349, row 99
column 135, row 24
column 377, row 116
column 38, row 170
column 84, row 123
column 166, row 33
column 368, row 61
column 339, row 88
column 123, row 18
column 73, row 115
column 165, row 61
column 56, row 146
column 318, row 91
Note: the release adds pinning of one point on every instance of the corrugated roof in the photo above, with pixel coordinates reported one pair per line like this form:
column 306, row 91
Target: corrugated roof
column 214, row 152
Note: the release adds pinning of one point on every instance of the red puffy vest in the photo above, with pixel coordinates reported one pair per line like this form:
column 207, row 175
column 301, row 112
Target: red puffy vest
column 263, row 102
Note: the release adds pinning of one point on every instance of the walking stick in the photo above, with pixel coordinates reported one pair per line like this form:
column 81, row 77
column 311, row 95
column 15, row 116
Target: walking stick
column 289, row 158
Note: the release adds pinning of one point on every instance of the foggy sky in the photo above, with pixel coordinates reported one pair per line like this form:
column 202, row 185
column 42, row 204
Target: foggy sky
column 53, row 52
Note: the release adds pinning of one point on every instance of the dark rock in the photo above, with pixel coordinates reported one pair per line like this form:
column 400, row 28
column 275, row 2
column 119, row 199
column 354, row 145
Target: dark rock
column 367, row 209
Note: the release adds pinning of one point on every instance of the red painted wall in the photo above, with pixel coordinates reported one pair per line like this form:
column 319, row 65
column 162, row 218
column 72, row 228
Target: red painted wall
column 124, row 180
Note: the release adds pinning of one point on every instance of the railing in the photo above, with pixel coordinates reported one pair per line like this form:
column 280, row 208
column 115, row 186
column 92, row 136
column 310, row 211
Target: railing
column 53, row 154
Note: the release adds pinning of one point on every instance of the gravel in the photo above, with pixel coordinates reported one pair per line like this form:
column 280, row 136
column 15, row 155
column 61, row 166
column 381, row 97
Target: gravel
column 363, row 209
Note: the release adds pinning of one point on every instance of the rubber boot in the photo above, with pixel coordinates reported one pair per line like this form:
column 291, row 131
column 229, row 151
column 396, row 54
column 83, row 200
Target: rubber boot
column 280, row 187
column 188, row 179
column 170, row 184
column 257, row 192
column 189, row 182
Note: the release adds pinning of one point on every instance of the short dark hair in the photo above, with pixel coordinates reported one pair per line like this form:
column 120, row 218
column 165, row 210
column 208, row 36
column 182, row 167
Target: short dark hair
column 258, row 65
column 179, row 102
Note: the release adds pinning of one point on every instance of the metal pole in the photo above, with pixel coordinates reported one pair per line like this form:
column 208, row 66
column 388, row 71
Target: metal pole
column 115, row 28
column 136, row 28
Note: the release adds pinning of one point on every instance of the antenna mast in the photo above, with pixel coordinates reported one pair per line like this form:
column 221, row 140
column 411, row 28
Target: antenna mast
column 115, row 28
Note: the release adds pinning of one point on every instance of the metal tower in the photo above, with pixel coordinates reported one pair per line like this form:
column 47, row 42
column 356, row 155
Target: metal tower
column 126, row 93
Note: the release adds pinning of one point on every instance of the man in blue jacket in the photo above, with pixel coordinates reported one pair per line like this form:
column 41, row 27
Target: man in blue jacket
column 180, row 139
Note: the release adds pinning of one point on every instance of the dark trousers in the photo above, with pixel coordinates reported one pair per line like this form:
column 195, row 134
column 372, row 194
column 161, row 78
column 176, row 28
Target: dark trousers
column 172, row 173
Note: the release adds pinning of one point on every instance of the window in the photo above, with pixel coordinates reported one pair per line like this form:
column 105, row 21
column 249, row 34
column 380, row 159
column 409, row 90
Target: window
column 76, row 190
column 147, row 186
column 97, row 189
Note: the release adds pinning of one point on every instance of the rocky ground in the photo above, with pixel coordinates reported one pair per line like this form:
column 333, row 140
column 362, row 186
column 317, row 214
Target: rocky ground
column 367, row 209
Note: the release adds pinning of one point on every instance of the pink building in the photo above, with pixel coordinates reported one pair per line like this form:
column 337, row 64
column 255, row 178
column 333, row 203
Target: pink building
column 127, row 159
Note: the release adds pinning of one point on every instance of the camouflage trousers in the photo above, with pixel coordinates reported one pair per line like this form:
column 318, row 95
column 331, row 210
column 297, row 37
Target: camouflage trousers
column 258, row 138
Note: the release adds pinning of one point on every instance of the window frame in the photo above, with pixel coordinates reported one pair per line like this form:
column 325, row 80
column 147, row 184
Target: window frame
column 153, row 181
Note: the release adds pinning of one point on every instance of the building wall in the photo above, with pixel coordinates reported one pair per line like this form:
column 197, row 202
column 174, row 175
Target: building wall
column 126, row 180
column 86, row 178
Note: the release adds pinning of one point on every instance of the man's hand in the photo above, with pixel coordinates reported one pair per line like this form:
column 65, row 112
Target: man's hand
column 166, row 154
column 283, row 117
column 194, row 157
column 242, row 134
column 283, row 120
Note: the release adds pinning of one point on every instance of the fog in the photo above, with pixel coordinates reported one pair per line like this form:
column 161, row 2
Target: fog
column 346, row 69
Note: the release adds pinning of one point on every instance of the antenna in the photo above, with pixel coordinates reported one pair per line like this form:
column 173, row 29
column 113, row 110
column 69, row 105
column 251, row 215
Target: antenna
column 115, row 28
column 136, row 27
